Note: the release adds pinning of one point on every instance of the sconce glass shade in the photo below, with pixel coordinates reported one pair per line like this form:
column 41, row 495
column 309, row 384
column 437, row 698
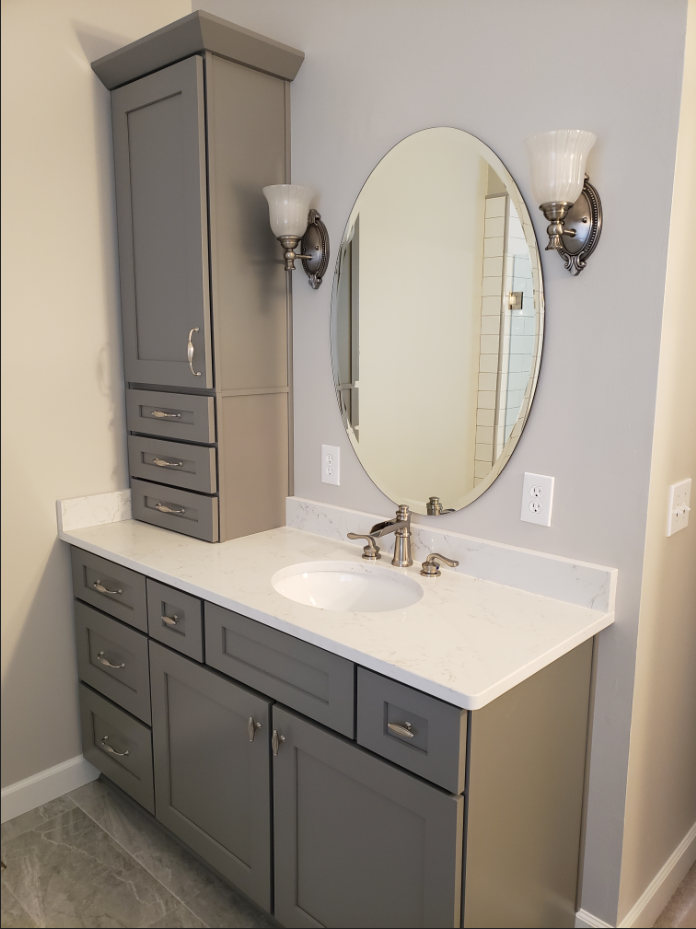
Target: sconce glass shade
column 288, row 206
column 557, row 162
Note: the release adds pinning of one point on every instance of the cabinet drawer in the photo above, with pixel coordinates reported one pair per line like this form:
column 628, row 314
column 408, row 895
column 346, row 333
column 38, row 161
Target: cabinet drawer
column 112, row 658
column 193, row 467
column 170, row 415
column 180, row 510
column 116, row 590
column 175, row 618
column 307, row 678
column 119, row 745
column 412, row 729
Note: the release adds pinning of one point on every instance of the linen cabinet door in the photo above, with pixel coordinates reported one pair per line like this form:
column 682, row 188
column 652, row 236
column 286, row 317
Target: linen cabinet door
column 161, row 205
column 357, row 841
column 212, row 768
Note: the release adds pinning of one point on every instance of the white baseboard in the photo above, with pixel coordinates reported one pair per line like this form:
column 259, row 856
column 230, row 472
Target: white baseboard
column 45, row 786
column 658, row 892
column 585, row 920
column 656, row 895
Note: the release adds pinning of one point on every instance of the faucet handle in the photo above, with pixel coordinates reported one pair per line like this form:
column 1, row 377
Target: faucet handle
column 431, row 568
column 371, row 550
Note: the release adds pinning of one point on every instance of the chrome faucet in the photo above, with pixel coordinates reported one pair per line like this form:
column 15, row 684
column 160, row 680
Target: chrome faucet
column 401, row 527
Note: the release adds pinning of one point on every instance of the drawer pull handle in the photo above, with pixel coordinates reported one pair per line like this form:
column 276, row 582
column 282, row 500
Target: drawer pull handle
column 252, row 728
column 105, row 590
column 170, row 620
column 112, row 751
column 163, row 508
column 190, row 350
column 404, row 730
column 107, row 663
column 161, row 463
column 160, row 414
column 276, row 739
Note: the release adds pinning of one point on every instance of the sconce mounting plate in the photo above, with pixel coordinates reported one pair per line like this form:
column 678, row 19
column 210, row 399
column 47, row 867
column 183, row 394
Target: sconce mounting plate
column 315, row 243
column 585, row 219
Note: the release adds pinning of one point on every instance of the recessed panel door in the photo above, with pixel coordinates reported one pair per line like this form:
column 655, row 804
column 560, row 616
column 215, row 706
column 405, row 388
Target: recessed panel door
column 358, row 842
column 161, row 202
column 212, row 768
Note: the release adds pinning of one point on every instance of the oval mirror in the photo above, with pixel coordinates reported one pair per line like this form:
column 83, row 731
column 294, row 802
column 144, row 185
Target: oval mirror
column 437, row 320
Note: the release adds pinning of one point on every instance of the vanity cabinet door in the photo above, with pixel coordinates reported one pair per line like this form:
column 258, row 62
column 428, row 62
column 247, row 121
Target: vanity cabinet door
column 358, row 842
column 161, row 194
column 212, row 781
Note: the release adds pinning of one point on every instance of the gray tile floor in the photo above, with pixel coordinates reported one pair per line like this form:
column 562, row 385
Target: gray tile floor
column 91, row 859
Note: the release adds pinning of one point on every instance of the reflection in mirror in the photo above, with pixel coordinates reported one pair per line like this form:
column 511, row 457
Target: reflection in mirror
column 437, row 320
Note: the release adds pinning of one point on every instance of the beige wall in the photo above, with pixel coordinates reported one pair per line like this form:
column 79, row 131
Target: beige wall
column 661, row 796
column 62, row 408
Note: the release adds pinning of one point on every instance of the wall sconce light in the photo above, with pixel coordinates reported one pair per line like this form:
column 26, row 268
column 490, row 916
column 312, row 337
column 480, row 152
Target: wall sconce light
column 568, row 200
column 292, row 221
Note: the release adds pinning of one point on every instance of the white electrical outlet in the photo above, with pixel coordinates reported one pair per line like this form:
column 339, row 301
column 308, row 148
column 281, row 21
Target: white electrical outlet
column 537, row 499
column 679, row 506
column 331, row 464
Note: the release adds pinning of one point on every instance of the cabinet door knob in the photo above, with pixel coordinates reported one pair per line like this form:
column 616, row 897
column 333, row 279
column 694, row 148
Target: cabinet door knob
column 163, row 508
column 252, row 728
column 110, row 750
column 170, row 620
column 160, row 414
column 107, row 664
column 404, row 730
column 161, row 463
column 105, row 590
column 190, row 350
column 276, row 739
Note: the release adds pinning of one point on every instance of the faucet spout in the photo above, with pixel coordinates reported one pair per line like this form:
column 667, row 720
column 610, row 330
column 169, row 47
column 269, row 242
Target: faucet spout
column 401, row 527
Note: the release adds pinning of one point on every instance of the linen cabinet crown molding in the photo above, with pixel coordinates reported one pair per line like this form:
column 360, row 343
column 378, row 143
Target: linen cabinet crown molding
column 194, row 34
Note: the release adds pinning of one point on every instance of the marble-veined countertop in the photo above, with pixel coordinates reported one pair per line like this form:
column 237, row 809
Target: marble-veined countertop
column 466, row 641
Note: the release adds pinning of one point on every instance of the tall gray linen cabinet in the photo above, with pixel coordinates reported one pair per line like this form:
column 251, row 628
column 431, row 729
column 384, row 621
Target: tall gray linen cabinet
column 201, row 122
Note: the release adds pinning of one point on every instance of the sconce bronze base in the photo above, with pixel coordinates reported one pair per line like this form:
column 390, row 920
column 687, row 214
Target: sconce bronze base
column 574, row 228
column 314, row 248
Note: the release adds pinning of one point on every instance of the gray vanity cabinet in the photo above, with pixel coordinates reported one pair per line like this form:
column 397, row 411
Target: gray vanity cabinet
column 357, row 841
column 201, row 123
column 212, row 768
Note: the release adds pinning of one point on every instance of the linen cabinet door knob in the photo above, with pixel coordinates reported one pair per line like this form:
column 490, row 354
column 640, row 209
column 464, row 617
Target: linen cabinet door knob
column 252, row 728
column 276, row 739
column 190, row 350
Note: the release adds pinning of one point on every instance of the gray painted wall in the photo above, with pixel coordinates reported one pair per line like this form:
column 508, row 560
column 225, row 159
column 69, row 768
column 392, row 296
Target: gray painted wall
column 378, row 70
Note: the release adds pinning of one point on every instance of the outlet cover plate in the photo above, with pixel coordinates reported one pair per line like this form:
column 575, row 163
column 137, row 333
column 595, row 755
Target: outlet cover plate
column 679, row 506
column 331, row 464
column 537, row 499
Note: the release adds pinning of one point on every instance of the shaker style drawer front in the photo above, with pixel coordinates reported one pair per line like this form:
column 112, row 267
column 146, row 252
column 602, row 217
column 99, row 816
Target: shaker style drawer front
column 175, row 618
column 193, row 467
column 112, row 658
column 180, row 510
column 412, row 729
column 302, row 676
column 170, row 415
column 110, row 587
column 119, row 745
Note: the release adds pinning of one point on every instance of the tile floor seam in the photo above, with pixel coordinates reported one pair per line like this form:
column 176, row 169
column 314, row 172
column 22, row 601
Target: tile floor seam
column 142, row 865
column 44, row 821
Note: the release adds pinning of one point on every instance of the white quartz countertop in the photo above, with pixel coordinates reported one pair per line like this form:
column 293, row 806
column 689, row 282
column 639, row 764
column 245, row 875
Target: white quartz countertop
column 466, row 641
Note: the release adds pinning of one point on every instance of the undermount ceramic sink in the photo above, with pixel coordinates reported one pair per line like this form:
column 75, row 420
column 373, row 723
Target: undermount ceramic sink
column 347, row 586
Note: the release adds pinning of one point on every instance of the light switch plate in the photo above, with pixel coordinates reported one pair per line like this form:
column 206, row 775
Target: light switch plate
column 537, row 499
column 679, row 506
column 331, row 464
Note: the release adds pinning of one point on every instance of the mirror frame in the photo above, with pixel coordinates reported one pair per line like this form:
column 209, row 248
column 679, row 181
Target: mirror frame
column 516, row 196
